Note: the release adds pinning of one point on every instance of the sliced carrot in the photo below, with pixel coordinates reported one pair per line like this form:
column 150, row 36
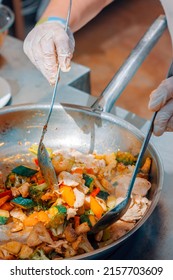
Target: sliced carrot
column 36, row 161
column 4, row 199
column 89, row 171
column 77, row 170
column 7, row 206
column 68, row 195
column 7, row 192
column 40, row 181
column 96, row 207
column 76, row 221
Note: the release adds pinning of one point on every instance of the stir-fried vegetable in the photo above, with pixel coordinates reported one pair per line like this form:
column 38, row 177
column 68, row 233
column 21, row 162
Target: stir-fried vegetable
column 24, row 171
column 25, row 203
column 125, row 157
column 37, row 191
column 44, row 223
column 4, row 216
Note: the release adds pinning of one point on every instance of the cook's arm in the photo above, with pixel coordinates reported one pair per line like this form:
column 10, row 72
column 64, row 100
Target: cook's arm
column 82, row 11
column 168, row 8
column 161, row 99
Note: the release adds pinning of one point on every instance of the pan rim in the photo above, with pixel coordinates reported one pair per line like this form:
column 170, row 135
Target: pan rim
column 115, row 119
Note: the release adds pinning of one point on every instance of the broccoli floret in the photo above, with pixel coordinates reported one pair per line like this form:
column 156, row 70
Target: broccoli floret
column 57, row 216
column 36, row 191
column 14, row 180
column 39, row 254
column 125, row 157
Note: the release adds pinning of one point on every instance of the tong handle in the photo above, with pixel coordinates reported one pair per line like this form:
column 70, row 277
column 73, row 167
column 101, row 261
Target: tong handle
column 56, row 81
column 145, row 142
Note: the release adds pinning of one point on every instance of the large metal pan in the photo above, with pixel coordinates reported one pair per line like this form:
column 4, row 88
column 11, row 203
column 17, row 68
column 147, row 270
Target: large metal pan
column 85, row 129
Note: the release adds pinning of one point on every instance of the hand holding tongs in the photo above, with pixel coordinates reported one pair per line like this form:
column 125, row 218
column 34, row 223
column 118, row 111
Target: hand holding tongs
column 119, row 210
column 44, row 160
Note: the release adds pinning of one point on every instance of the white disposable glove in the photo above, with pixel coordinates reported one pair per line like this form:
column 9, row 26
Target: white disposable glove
column 49, row 44
column 161, row 100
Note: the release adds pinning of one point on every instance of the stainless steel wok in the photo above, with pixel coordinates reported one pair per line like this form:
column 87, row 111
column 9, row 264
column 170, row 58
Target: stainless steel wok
column 85, row 129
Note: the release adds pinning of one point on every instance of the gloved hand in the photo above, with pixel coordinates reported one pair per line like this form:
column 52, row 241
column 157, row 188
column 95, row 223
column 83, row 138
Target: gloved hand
column 161, row 100
column 47, row 45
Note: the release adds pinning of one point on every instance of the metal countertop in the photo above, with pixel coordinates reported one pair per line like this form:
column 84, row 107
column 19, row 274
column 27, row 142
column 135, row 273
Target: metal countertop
column 154, row 240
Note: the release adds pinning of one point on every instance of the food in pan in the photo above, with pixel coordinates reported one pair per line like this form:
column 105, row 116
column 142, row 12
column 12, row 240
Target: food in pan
column 38, row 222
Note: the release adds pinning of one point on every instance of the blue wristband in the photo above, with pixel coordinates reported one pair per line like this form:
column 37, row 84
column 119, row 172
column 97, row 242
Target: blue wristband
column 61, row 20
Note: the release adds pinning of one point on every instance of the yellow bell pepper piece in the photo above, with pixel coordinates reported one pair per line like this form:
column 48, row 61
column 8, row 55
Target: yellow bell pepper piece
column 68, row 195
column 96, row 207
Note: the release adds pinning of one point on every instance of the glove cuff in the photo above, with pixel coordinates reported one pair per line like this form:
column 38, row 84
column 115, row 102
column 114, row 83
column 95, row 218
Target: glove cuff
column 62, row 21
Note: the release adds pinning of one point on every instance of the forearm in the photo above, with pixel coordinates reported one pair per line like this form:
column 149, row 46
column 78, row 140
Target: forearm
column 168, row 8
column 82, row 11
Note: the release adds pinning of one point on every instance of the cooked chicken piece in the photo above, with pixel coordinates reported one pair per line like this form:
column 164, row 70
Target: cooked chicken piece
column 71, row 212
column 85, row 244
column 63, row 248
column 120, row 228
column 82, row 243
column 7, row 235
column 59, row 245
column 76, row 243
column 13, row 247
column 99, row 235
column 110, row 158
column 70, row 233
column 82, row 228
column 89, row 160
column 108, row 186
column 68, row 179
column 141, row 185
column 5, row 255
column 38, row 235
column 33, row 239
column 136, row 210
column 62, row 163
column 83, row 188
column 24, row 189
column 80, row 198
column 18, row 225
column 69, row 251
column 108, row 170
column 15, row 191
column 82, row 158
column 25, row 252
column 18, row 214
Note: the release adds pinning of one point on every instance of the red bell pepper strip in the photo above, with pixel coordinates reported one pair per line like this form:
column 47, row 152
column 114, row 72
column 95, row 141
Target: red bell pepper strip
column 95, row 192
column 4, row 199
column 36, row 161
column 7, row 206
column 90, row 171
column 8, row 192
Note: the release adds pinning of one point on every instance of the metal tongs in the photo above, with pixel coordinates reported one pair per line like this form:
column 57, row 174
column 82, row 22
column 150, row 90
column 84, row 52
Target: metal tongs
column 44, row 160
column 119, row 210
